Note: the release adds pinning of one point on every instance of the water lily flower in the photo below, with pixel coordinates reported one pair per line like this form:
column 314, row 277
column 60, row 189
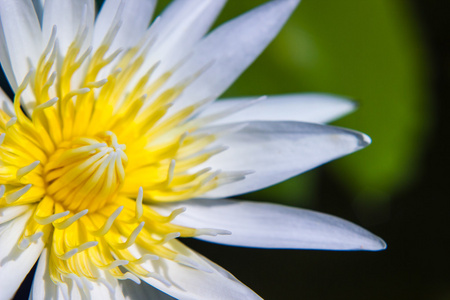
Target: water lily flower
column 114, row 146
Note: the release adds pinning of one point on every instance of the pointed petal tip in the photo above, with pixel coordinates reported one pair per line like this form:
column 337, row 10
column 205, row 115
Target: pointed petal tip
column 365, row 140
column 353, row 103
column 382, row 244
column 356, row 103
column 373, row 243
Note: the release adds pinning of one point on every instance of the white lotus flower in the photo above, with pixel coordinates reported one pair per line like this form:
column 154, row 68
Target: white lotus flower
column 113, row 147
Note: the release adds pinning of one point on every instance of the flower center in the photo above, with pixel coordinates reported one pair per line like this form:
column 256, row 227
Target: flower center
column 86, row 173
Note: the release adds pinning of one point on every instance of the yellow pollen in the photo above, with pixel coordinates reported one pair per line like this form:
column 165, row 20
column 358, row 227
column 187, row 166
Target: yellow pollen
column 86, row 173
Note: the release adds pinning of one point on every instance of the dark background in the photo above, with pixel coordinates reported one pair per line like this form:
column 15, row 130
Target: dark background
column 416, row 263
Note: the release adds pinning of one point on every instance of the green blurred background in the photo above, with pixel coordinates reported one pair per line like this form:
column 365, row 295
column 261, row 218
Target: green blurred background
column 393, row 58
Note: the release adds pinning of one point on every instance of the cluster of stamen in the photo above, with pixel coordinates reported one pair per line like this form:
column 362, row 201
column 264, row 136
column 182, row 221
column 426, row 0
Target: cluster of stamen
column 68, row 164
column 86, row 173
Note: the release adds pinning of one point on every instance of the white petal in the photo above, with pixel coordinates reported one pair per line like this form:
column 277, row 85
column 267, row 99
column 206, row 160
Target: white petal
column 181, row 25
column 22, row 38
column 276, row 151
column 190, row 283
column 95, row 289
column 43, row 287
column 9, row 213
column 133, row 291
column 135, row 16
column 69, row 16
column 100, row 291
column 231, row 48
column 310, row 107
column 6, row 104
column 15, row 263
column 265, row 225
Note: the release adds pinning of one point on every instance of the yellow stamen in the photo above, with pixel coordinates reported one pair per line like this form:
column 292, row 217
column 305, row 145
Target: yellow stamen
column 14, row 196
column 95, row 153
